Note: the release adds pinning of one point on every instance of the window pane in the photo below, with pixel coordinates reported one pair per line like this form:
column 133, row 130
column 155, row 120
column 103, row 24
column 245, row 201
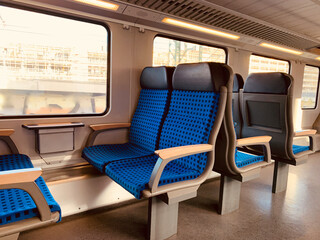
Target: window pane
column 264, row 64
column 51, row 65
column 170, row 52
column 310, row 87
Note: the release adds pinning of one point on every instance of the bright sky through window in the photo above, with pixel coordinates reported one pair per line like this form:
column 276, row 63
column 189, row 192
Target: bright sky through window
column 51, row 65
column 171, row 52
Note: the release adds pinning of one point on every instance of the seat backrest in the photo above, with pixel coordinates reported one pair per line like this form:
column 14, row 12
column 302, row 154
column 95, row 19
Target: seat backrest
column 267, row 110
column 156, row 84
column 236, row 112
column 195, row 108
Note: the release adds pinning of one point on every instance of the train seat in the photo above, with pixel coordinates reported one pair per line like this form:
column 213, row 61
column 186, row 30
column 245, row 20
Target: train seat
column 24, row 195
column 241, row 158
column 233, row 161
column 185, row 124
column 267, row 98
column 236, row 112
column 145, row 125
column 189, row 131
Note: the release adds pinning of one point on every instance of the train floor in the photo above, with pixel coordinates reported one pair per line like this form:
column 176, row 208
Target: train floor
column 294, row 214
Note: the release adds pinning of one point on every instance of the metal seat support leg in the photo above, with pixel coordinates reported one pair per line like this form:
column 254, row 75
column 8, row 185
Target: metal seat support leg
column 162, row 219
column 229, row 197
column 280, row 177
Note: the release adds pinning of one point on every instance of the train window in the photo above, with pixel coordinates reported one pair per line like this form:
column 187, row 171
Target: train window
column 266, row 64
column 51, row 65
column 171, row 52
column 310, row 87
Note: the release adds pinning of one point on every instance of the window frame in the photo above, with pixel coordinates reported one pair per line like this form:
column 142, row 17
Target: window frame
column 274, row 58
column 203, row 43
column 317, row 94
column 108, row 46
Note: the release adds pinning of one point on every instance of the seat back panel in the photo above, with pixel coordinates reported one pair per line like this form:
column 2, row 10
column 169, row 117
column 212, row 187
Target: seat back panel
column 236, row 109
column 148, row 118
column 267, row 110
column 189, row 121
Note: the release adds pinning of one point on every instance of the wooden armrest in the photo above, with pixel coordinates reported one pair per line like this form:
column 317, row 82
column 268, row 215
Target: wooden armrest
column 305, row 132
column 253, row 140
column 20, row 175
column 24, row 179
column 6, row 132
column 169, row 154
column 97, row 127
column 178, row 152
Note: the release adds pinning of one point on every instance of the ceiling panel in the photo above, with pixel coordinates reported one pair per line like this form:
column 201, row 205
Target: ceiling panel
column 301, row 16
column 219, row 16
column 237, row 4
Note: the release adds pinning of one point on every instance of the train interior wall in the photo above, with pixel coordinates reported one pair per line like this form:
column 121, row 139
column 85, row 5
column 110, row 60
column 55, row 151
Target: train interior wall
column 131, row 51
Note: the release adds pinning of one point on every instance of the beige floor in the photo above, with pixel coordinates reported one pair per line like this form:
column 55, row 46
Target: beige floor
column 294, row 214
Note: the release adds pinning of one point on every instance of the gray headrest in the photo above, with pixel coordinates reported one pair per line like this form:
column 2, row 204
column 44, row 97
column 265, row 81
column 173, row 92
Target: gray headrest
column 157, row 77
column 272, row 83
column 237, row 82
column 200, row 76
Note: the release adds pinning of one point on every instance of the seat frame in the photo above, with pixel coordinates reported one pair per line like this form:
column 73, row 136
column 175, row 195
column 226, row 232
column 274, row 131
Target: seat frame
column 283, row 155
column 232, row 176
column 164, row 200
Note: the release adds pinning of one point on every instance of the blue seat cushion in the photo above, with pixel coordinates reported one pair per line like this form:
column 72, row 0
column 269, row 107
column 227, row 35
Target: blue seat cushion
column 297, row 149
column 16, row 204
column 189, row 120
column 14, row 161
column 100, row 155
column 245, row 159
column 143, row 135
column 134, row 174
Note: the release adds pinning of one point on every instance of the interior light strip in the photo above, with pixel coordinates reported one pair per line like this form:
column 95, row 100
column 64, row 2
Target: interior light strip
column 199, row 28
column 101, row 4
column 318, row 58
column 267, row 45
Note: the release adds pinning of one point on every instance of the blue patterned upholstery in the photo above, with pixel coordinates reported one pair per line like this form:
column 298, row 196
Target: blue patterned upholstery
column 134, row 174
column 144, row 131
column 296, row 148
column 148, row 118
column 189, row 121
column 14, row 161
column 16, row 204
column 100, row 155
column 245, row 159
